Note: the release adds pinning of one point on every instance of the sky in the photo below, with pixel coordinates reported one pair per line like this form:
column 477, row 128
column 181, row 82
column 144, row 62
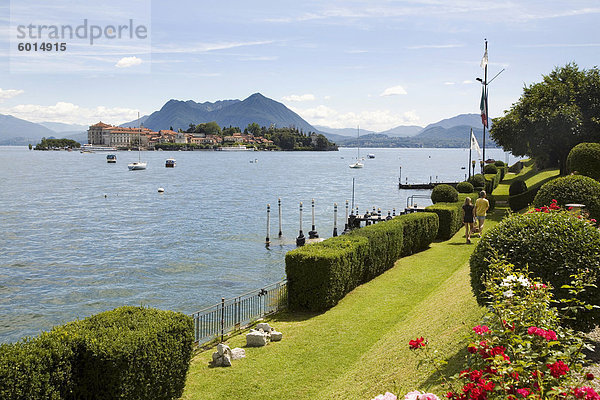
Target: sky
column 377, row 64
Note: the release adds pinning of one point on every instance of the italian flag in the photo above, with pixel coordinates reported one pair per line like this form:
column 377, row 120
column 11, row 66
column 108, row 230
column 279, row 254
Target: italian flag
column 483, row 107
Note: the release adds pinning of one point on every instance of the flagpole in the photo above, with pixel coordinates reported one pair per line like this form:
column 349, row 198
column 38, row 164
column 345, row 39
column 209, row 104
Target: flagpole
column 470, row 150
column 487, row 112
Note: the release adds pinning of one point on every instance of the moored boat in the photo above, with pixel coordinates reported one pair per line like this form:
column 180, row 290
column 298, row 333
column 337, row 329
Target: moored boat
column 170, row 163
column 111, row 158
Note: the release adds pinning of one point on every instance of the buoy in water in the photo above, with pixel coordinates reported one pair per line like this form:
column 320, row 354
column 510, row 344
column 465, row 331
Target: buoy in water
column 161, row 190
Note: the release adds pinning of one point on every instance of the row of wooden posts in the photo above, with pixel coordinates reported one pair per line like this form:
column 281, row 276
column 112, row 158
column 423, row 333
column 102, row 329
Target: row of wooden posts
column 352, row 221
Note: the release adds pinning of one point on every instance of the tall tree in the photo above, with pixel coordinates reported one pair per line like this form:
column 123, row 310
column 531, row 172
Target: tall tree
column 552, row 116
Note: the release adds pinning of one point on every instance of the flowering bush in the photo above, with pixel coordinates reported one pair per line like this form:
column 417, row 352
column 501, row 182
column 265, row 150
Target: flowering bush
column 519, row 350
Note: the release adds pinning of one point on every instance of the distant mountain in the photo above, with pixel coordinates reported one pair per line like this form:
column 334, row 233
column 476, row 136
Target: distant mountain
column 135, row 123
column 403, row 131
column 256, row 108
column 16, row 131
column 60, row 127
column 351, row 132
column 473, row 120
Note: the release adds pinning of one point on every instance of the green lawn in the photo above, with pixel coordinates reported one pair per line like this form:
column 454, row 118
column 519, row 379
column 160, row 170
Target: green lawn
column 359, row 348
column 529, row 174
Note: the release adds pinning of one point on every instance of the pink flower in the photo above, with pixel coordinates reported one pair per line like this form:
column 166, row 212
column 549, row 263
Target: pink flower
column 523, row 392
column 416, row 395
column 481, row 329
column 586, row 393
column 386, row 396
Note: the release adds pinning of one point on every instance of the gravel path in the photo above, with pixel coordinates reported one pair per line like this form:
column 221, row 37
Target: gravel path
column 594, row 357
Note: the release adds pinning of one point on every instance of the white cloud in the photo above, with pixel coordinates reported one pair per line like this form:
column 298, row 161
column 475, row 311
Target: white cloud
column 435, row 46
column 70, row 113
column 327, row 97
column 6, row 94
column 376, row 120
column 449, row 83
column 127, row 62
column 467, row 82
column 301, row 97
column 393, row 91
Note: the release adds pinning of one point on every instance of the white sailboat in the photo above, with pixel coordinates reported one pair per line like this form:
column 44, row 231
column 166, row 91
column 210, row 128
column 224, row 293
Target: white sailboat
column 139, row 165
column 357, row 164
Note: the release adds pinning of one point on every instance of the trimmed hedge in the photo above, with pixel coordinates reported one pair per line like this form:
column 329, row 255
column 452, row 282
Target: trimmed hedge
column 585, row 160
column 571, row 189
column 516, row 167
column 492, row 181
column 490, row 169
column 523, row 200
column 477, row 180
column 450, row 218
column 517, row 186
column 464, row 187
column 499, row 163
column 126, row 353
column 444, row 194
column 553, row 246
column 321, row 274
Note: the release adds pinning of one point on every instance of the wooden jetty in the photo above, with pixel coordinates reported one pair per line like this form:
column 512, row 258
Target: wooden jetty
column 429, row 185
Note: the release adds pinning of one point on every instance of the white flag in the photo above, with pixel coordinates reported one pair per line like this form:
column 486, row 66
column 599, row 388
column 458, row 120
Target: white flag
column 484, row 60
column 474, row 144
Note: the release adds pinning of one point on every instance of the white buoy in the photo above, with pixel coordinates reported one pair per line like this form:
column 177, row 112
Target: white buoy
column 161, row 190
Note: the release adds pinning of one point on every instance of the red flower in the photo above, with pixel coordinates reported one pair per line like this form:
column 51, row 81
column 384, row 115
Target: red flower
column 558, row 369
column 523, row 392
column 472, row 348
column 586, row 393
column 481, row 329
column 589, row 377
column 415, row 344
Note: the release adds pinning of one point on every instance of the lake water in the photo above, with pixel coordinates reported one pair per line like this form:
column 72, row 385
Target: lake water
column 79, row 236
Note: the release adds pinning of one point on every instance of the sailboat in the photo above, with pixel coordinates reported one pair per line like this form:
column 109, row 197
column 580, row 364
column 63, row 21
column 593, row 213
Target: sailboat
column 357, row 164
column 136, row 166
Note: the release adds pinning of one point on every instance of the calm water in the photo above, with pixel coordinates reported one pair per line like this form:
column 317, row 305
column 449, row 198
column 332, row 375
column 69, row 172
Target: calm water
column 79, row 236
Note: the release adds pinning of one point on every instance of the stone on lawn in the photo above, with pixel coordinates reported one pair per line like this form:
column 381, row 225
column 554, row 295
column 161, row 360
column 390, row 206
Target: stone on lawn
column 264, row 326
column 276, row 336
column 256, row 338
column 238, row 353
column 223, row 348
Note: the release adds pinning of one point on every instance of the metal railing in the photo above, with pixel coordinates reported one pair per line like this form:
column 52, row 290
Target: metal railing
column 238, row 312
column 410, row 200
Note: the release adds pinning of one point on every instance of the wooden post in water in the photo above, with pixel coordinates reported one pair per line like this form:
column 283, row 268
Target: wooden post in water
column 267, row 240
column 300, row 240
column 279, row 204
column 346, row 226
column 313, row 232
column 335, row 220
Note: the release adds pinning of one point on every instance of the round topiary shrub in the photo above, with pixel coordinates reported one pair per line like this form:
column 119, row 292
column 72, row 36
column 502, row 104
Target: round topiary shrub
column 499, row 163
column 571, row 189
column 444, row 194
column 490, row 169
column 553, row 246
column 477, row 180
column 464, row 187
column 585, row 160
column 517, row 187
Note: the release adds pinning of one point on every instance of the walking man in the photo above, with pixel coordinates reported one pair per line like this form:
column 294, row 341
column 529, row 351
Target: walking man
column 481, row 207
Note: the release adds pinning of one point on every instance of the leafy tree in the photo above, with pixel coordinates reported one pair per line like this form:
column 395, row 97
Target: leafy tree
column 322, row 143
column 254, row 129
column 552, row 116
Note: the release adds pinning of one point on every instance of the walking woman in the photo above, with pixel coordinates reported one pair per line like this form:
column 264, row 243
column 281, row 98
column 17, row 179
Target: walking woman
column 468, row 218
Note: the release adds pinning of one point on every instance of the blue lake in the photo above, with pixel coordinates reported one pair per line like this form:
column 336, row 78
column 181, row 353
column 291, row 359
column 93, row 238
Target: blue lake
column 79, row 236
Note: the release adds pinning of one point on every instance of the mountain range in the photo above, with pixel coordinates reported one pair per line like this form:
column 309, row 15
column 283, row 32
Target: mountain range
column 178, row 114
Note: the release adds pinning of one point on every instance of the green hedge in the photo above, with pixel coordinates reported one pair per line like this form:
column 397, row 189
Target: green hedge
column 464, row 187
column 523, row 200
column 444, row 194
column 516, row 187
column 516, row 167
column 571, row 189
column 585, row 160
column 450, row 218
column 492, row 181
column 126, row 353
column 319, row 275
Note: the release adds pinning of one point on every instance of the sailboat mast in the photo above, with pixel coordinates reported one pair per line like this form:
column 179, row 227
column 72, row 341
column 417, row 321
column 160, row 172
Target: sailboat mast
column 357, row 143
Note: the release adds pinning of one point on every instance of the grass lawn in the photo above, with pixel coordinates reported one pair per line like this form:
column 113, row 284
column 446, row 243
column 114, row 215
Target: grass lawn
column 529, row 175
column 359, row 348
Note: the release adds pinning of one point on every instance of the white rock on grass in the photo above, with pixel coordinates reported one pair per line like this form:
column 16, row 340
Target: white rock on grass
column 264, row 326
column 221, row 360
column 238, row 353
column 276, row 336
column 223, row 349
column 256, row 338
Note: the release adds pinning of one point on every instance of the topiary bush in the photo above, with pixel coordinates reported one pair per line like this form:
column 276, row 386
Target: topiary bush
column 553, row 246
column 585, row 160
column 571, row 189
column 490, row 169
column 126, row 353
column 464, row 187
column 444, row 194
column 499, row 163
column 450, row 218
column 477, row 180
column 420, row 229
column 517, row 186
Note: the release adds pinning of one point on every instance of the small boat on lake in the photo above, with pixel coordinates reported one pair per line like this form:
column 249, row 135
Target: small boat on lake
column 170, row 163
column 357, row 164
column 370, row 155
column 139, row 165
column 111, row 158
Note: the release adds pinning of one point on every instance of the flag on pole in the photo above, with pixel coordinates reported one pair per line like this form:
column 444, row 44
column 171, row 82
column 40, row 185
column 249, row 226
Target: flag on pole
column 483, row 107
column 474, row 144
column 484, row 60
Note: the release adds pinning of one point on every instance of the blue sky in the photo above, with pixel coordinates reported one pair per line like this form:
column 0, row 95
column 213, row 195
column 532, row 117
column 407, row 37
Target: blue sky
column 338, row 63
